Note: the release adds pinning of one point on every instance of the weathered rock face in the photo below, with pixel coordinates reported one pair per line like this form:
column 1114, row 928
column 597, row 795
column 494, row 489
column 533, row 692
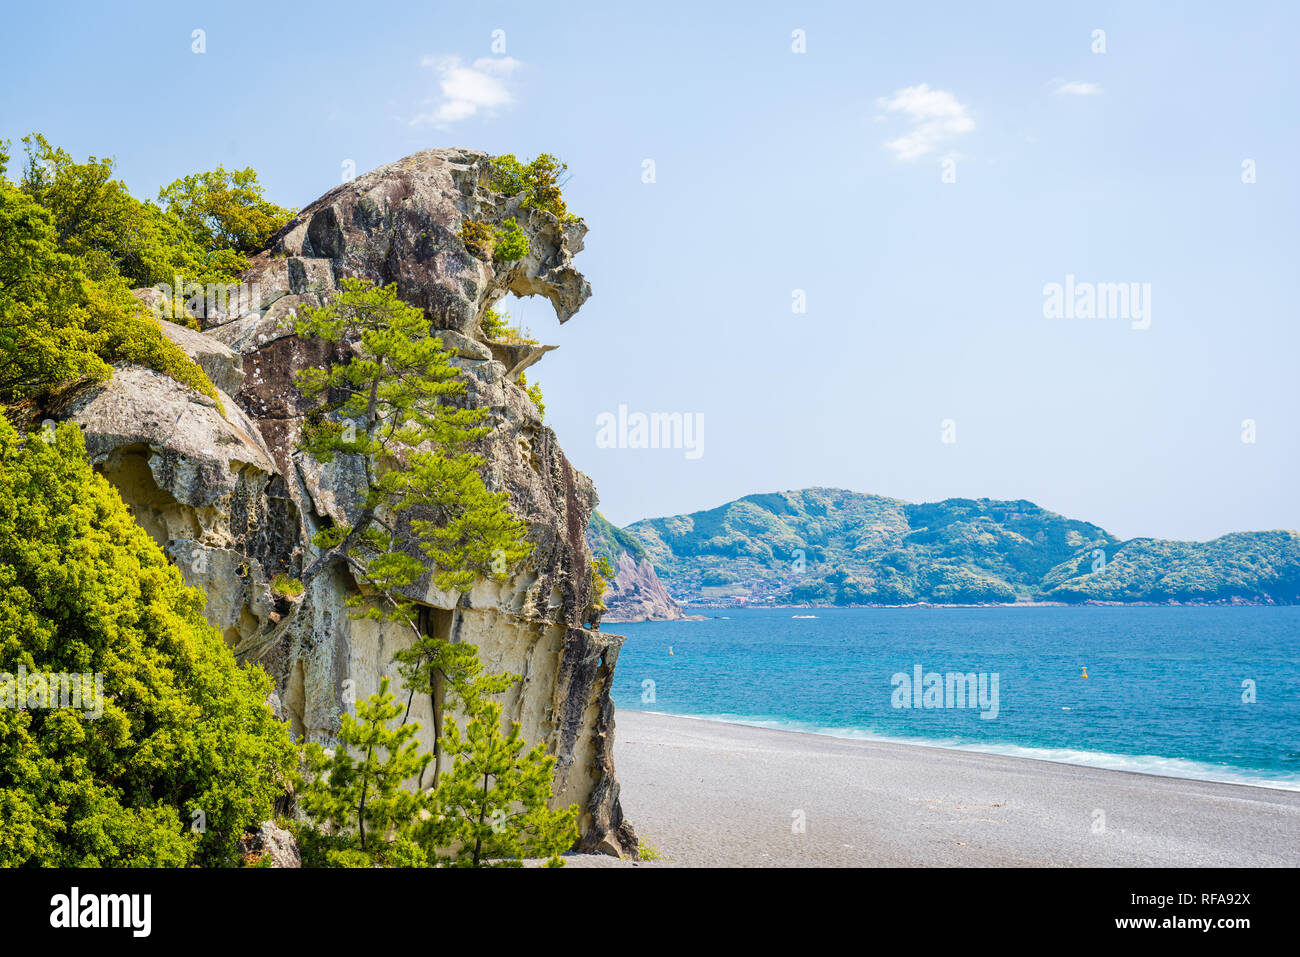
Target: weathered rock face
column 637, row 594
column 203, row 485
column 235, row 504
column 270, row 845
column 401, row 224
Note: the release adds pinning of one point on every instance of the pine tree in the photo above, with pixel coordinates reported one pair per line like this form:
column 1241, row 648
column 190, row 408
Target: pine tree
column 356, row 793
column 493, row 806
column 393, row 403
column 431, row 661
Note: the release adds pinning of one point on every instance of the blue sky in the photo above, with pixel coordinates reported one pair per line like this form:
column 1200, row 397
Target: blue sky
column 820, row 171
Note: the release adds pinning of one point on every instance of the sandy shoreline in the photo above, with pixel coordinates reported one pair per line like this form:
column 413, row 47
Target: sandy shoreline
column 707, row 793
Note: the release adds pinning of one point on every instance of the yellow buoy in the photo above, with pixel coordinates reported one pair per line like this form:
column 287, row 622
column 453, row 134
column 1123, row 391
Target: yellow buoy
column 670, row 649
column 1085, row 671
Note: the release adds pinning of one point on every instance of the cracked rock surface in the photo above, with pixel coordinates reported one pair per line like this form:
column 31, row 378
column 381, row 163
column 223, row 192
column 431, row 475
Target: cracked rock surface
column 234, row 503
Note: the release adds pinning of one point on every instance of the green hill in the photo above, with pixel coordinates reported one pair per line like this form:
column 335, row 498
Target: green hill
column 607, row 540
column 836, row 547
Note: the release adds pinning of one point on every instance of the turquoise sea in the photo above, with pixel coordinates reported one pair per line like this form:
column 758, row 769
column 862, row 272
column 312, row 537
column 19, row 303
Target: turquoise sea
column 1164, row 692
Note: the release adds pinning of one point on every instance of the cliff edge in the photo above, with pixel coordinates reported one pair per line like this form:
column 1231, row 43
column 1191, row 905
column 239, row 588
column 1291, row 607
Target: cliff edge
column 234, row 503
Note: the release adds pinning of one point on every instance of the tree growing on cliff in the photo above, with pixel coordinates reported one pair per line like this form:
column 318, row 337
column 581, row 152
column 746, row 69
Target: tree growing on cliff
column 395, row 404
column 169, row 751
column 224, row 210
column 540, row 180
column 354, row 794
column 494, row 805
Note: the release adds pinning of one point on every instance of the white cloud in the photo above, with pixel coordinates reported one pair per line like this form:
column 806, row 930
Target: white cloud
column 935, row 118
column 482, row 85
column 1077, row 88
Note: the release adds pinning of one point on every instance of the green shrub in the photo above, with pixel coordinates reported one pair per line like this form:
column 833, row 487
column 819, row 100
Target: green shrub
column 286, row 586
column 602, row 572
column 224, row 210
column 493, row 324
column 511, row 242
column 207, row 225
column 185, row 753
column 534, row 392
column 506, row 243
column 354, row 795
column 538, row 179
column 497, row 327
column 477, row 237
column 58, row 322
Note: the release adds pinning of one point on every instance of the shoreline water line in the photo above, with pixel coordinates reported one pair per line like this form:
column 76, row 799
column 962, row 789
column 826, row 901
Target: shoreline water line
column 1149, row 765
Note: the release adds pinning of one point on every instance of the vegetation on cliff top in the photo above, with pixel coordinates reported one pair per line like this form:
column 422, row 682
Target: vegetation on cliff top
column 540, row 180
column 831, row 546
column 201, row 229
column 65, row 311
column 74, row 241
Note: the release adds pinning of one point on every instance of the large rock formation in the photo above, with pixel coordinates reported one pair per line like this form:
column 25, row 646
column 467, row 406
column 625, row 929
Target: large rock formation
column 235, row 504
column 638, row 594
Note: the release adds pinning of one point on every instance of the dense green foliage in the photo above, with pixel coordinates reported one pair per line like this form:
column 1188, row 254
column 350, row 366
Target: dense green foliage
column 511, row 242
column 74, row 241
column 224, row 212
column 201, row 232
column 606, row 540
column 65, row 313
column 505, row 243
column 838, row 547
column 186, row 752
column 1243, row 566
column 477, row 237
column 539, row 180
